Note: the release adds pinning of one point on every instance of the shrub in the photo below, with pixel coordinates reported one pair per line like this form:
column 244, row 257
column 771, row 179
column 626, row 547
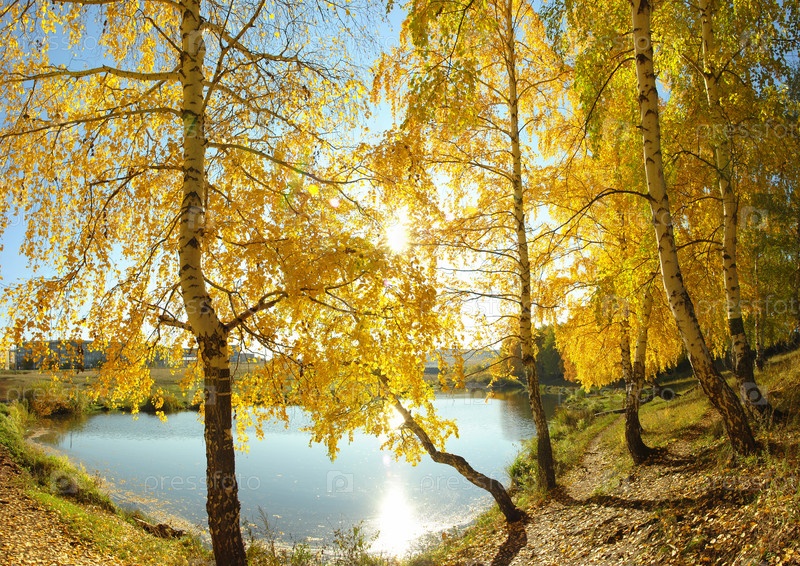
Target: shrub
column 351, row 547
column 52, row 398
column 166, row 403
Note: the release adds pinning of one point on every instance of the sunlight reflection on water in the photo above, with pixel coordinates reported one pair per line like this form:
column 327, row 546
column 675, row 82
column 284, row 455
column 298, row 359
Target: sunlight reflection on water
column 306, row 495
column 397, row 522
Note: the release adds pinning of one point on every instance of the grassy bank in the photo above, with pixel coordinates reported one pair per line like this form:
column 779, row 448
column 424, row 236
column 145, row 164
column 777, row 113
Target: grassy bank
column 78, row 500
column 88, row 514
column 573, row 427
column 754, row 501
column 576, row 422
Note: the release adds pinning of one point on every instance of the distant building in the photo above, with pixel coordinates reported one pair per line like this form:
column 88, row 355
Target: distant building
column 63, row 354
column 80, row 355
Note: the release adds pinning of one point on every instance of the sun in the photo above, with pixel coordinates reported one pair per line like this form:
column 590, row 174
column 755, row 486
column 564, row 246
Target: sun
column 394, row 419
column 397, row 232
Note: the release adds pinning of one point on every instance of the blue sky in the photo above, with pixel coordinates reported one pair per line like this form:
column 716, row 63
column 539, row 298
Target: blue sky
column 12, row 266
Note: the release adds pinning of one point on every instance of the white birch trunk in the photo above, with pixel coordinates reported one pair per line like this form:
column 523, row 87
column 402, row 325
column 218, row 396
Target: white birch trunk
column 743, row 358
column 222, row 501
column 547, row 476
column 719, row 393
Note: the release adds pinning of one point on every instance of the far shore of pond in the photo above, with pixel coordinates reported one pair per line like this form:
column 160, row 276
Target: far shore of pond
column 68, row 393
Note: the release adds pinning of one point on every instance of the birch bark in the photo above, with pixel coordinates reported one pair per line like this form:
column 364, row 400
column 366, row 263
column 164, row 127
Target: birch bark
column 634, row 380
column 716, row 388
column 222, row 502
column 547, row 475
column 743, row 358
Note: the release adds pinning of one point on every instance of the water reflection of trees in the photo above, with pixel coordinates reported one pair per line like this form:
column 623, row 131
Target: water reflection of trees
column 515, row 413
column 54, row 430
column 513, row 409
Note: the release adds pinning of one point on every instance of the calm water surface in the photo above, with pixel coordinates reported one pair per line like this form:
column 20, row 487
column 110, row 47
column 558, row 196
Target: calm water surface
column 160, row 467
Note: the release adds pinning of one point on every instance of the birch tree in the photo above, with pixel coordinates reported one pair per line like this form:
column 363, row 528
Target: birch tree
column 715, row 387
column 183, row 179
column 610, row 332
column 743, row 58
column 470, row 85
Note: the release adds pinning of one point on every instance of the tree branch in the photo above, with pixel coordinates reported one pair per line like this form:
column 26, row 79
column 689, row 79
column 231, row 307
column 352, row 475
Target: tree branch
column 225, row 35
column 104, row 69
column 105, row 2
column 511, row 512
column 266, row 302
column 112, row 114
column 281, row 162
column 170, row 321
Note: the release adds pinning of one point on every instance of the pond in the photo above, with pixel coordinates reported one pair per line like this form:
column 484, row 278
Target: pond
column 160, row 468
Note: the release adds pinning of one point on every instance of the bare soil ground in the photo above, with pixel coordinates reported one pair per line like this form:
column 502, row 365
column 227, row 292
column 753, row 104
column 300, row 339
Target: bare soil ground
column 33, row 535
column 676, row 510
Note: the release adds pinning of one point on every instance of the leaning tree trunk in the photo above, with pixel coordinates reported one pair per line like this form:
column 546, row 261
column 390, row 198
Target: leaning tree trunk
column 510, row 511
column 544, row 454
column 743, row 358
column 212, row 337
column 634, row 380
column 721, row 396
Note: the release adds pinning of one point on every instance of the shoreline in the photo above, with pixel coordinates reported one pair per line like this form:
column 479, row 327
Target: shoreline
column 126, row 501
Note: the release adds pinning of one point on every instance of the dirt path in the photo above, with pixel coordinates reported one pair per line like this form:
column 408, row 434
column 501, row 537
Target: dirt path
column 33, row 535
column 668, row 512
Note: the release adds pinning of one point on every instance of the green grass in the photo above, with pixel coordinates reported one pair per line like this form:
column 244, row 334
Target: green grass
column 573, row 427
column 77, row 498
column 47, row 472
column 113, row 535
